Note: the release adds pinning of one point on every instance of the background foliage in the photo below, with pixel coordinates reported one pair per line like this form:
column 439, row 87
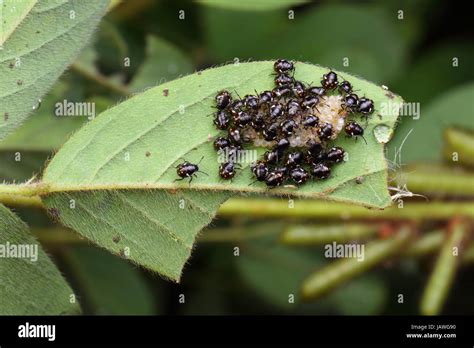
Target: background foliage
column 413, row 56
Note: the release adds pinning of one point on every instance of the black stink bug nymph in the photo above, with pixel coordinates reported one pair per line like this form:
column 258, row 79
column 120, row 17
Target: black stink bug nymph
column 260, row 170
column 283, row 65
column 222, row 120
column 275, row 178
column 366, row 106
column 329, row 80
column 227, row 170
column 320, row 171
column 354, row 130
column 223, row 99
column 299, row 175
column 345, row 87
column 188, row 170
column 335, row 155
column 283, row 80
column 325, row 132
column 221, row 143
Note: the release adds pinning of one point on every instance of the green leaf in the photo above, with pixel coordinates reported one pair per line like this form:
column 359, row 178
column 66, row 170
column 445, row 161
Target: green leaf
column 425, row 142
column 111, row 165
column 33, row 285
column 12, row 12
column 110, row 286
column 251, row 5
column 38, row 51
column 45, row 131
column 164, row 62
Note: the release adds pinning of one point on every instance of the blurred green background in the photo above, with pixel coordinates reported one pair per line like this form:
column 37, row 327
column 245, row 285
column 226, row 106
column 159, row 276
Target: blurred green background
column 422, row 50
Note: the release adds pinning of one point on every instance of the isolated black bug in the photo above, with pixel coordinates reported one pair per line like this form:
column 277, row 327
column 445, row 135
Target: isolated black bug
column 223, row 99
column 335, row 155
column 275, row 178
column 266, row 97
column 260, row 170
column 351, row 102
column 310, row 121
column 281, row 91
column 222, row 119
column 271, row 131
column 309, row 101
column 345, row 87
column 293, row 108
column 283, row 80
column 251, row 102
column 283, row 65
column 353, row 129
column 221, row 143
column 235, row 136
column 227, row 170
column 271, row 157
column 276, row 110
column 282, row 145
column 242, row 119
column 299, row 175
column 299, row 89
column 366, row 106
column 188, row 170
column 329, row 80
column 317, row 91
column 325, row 132
column 320, row 171
column 287, row 127
column 294, row 158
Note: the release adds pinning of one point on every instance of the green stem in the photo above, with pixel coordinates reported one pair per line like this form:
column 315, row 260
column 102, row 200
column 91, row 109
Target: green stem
column 442, row 276
column 236, row 234
column 426, row 244
column 437, row 180
column 322, row 234
column 460, row 142
column 265, row 208
column 338, row 272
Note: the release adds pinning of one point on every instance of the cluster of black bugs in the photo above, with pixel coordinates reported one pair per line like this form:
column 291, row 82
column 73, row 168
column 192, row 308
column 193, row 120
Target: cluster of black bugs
column 295, row 120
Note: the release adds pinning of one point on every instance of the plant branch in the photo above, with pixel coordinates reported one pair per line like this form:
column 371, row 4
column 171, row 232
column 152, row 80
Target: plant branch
column 264, row 208
column 101, row 80
column 342, row 270
column 442, row 276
